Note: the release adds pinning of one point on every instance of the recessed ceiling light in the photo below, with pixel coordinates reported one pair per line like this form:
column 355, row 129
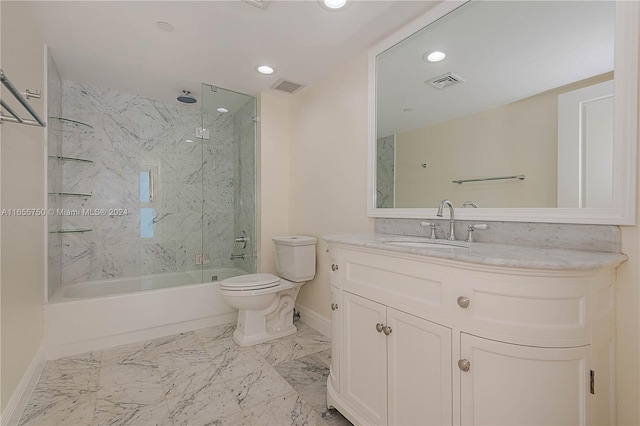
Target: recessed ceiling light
column 434, row 56
column 223, row 110
column 164, row 26
column 265, row 69
column 334, row 4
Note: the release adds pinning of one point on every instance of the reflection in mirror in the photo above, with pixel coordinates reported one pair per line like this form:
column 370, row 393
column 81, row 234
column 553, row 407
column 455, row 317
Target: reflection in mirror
column 525, row 91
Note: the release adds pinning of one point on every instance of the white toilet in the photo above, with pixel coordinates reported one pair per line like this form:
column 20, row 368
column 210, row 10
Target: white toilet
column 265, row 301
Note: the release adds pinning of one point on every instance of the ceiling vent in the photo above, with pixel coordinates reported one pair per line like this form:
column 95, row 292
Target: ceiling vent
column 287, row 86
column 445, row 80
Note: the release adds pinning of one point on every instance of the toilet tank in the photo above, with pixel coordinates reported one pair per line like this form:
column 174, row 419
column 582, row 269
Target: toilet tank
column 296, row 257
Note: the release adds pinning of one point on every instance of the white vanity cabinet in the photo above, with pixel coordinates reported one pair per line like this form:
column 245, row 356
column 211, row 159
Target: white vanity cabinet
column 431, row 341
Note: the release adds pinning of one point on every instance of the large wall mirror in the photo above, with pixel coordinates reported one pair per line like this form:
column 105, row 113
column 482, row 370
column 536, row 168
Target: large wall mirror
column 513, row 110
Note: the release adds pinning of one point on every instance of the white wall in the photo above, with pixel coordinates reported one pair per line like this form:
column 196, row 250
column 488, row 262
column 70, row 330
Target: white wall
column 23, row 155
column 329, row 167
column 273, row 176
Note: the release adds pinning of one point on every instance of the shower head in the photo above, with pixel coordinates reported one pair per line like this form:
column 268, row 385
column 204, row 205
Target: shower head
column 187, row 98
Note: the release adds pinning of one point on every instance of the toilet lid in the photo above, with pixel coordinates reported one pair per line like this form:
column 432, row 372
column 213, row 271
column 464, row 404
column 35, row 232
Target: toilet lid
column 250, row 282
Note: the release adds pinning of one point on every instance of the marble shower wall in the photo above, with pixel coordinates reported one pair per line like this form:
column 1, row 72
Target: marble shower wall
column 385, row 171
column 54, row 173
column 194, row 201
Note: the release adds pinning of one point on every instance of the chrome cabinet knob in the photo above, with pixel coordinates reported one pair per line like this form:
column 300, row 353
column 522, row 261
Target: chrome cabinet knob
column 386, row 330
column 464, row 365
column 334, row 267
column 463, row 302
column 334, row 306
column 379, row 327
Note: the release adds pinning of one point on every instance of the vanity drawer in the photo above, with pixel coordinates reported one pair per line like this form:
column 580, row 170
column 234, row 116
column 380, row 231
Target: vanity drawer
column 522, row 309
column 419, row 288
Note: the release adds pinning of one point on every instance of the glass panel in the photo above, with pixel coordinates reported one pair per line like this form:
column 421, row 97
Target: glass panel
column 170, row 193
column 228, row 138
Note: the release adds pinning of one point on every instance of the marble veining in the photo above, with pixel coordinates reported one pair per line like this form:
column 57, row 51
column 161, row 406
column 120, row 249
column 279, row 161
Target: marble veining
column 195, row 378
column 204, row 188
column 385, row 171
column 602, row 238
column 490, row 253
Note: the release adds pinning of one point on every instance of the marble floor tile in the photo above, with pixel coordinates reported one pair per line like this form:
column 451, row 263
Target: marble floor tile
column 308, row 376
column 287, row 409
column 136, row 353
column 137, row 403
column 280, row 350
column 258, row 386
column 53, row 408
column 194, row 378
column 177, row 341
column 324, row 357
column 212, row 334
column 204, row 406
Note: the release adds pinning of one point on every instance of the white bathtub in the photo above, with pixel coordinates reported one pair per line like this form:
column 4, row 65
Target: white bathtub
column 100, row 314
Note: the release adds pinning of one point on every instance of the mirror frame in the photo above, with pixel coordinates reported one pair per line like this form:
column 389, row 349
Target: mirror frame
column 623, row 211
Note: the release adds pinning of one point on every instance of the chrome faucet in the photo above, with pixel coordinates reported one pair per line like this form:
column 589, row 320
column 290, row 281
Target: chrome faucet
column 452, row 220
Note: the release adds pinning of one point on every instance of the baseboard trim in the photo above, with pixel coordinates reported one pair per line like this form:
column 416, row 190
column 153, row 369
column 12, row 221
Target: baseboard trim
column 314, row 320
column 20, row 398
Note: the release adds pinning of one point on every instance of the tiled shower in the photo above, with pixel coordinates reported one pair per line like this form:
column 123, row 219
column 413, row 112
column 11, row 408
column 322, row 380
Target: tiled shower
column 142, row 186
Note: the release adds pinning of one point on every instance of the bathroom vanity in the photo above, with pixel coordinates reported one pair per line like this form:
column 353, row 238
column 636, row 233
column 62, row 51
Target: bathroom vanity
column 426, row 333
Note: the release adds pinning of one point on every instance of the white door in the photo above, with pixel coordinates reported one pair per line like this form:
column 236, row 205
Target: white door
column 522, row 385
column 363, row 368
column 419, row 371
column 585, row 147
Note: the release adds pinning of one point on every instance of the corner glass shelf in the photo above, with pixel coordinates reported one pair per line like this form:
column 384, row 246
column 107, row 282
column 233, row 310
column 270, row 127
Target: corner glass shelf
column 69, row 125
column 70, row 194
column 61, row 158
column 70, row 231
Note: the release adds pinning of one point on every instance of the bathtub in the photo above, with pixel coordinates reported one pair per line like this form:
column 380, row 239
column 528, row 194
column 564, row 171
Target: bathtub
column 96, row 315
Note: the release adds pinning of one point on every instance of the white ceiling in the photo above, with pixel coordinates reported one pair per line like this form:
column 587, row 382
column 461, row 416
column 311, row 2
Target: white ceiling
column 506, row 51
column 116, row 44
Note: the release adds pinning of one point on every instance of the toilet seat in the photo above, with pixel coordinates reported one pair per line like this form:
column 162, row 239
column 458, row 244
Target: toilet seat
column 250, row 282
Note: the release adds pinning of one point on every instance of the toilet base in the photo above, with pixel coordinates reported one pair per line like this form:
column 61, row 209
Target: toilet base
column 274, row 322
column 254, row 339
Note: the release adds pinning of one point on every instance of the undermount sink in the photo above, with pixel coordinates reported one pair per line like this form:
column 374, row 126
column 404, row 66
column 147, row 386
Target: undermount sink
column 436, row 244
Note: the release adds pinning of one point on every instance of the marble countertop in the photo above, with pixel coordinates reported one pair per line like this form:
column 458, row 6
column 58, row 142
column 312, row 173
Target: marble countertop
column 486, row 253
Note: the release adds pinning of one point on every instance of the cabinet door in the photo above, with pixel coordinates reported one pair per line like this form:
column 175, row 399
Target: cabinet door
column 363, row 367
column 522, row 385
column 419, row 371
column 336, row 337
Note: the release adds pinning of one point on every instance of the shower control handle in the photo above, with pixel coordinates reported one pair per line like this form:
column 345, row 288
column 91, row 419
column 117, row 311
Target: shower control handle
column 243, row 239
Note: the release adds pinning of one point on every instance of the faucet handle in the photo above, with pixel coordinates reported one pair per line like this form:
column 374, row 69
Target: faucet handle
column 433, row 228
column 471, row 228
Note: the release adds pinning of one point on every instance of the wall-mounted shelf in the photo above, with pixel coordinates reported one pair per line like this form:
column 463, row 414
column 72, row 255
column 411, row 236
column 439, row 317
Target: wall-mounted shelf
column 70, row 231
column 461, row 181
column 61, row 158
column 70, row 194
column 67, row 124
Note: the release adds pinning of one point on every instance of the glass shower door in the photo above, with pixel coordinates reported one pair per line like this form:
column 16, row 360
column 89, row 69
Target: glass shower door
column 170, row 194
column 229, row 182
